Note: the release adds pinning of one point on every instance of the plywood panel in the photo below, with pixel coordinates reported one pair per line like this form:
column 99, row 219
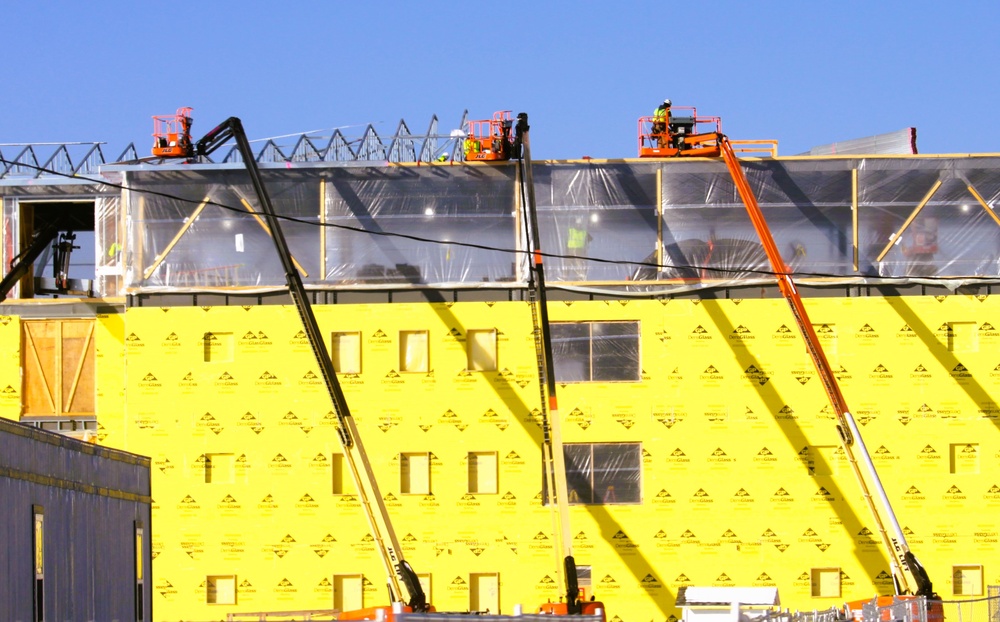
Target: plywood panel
column 58, row 365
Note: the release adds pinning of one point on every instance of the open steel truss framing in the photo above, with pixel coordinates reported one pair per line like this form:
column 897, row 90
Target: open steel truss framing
column 55, row 160
column 60, row 160
column 402, row 146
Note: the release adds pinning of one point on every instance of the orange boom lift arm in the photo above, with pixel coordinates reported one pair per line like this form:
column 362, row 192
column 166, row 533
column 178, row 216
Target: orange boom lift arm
column 909, row 575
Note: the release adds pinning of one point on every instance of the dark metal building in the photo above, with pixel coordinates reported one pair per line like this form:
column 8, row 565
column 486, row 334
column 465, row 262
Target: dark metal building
column 74, row 527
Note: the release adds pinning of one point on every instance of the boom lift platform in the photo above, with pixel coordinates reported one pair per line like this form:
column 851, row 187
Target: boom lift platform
column 554, row 462
column 404, row 586
column 490, row 139
column 172, row 134
column 679, row 138
column 679, row 135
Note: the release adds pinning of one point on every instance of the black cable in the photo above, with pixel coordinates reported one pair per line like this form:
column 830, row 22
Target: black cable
column 512, row 251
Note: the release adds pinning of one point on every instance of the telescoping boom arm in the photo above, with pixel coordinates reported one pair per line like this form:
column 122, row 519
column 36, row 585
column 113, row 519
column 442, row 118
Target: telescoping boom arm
column 404, row 586
column 908, row 575
column 553, row 458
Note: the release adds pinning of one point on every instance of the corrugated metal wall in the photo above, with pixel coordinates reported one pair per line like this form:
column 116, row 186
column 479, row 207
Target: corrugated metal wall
column 92, row 499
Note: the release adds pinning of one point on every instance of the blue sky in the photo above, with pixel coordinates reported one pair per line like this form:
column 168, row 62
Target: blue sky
column 803, row 72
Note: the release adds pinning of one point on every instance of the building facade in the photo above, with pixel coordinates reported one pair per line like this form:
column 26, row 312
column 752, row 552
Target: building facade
column 701, row 448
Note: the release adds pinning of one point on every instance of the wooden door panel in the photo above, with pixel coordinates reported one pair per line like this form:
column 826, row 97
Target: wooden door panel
column 58, row 364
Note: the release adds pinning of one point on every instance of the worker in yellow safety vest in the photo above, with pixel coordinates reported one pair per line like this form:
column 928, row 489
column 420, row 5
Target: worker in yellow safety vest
column 471, row 147
column 577, row 241
column 661, row 119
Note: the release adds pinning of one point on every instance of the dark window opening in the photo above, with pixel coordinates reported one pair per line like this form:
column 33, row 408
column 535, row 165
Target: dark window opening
column 601, row 473
column 596, row 351
column 55, row 255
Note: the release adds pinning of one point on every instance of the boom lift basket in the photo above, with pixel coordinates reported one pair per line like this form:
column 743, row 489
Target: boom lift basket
column 172, row 134
column 679, row 134
column 490, row 139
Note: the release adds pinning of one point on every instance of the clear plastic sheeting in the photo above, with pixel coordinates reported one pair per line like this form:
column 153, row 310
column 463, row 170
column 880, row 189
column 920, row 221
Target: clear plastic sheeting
column 656, row 225
column 109, row 236
column 205, row 229
column 950, row 230
column 404, row 225
column 596, row 211
column 596, row 351
column 602, row 473
column 707, row 233
column 345, row 226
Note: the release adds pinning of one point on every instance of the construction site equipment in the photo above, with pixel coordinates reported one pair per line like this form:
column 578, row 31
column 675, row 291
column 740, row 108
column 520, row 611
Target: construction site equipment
column 909, row 576
column 21, row 265
column 553, row 459
column 679, row 138
column 490, row 139
column 172, row 134
column 677, row 135
column 404, row 586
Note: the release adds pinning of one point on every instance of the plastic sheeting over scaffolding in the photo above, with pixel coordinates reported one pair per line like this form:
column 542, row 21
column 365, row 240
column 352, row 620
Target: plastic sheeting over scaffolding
column 645, row 224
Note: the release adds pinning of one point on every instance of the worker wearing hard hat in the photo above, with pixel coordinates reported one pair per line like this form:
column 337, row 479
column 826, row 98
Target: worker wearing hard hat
column 443, row 157
column 661, row 118
column 471, row 147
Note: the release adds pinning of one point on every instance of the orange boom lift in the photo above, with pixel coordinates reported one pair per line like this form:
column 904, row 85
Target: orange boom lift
column 909, row 577
column 679, row 135
column 490, row 139
column 172, row 134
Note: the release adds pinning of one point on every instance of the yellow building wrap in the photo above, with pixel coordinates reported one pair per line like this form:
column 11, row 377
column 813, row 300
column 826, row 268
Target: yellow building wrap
column 742, row 479
column 10, row 367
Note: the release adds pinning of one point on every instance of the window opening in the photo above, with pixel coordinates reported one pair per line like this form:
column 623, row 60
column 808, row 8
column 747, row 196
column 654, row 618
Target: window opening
column 596, row 351
column 825, row 582
column 140, row 592
column 602, row 473
column 348, row 592
column 219, row 468
column 57, row 359
column 415, row 473
column 482, row 350
column 584, row 582
column 56, row 254
column 339, row 474
column 414, row 351
column 221, row 590
column 484, row 592
column 38, row 585
column 964, row 458
column 346, row 352
column 967, row 580
column 483, row 472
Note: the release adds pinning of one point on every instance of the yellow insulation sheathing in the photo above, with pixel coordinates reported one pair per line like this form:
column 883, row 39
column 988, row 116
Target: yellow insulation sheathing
column 743, row 481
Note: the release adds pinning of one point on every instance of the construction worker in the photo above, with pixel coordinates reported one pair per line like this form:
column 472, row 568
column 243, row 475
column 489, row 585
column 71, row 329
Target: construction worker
column 443, row 157
column 471, row 147
column 661, row 119
column 577, row 241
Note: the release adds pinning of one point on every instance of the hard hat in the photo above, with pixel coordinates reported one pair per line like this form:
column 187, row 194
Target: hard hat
column 666, row 102
column 445, row 154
